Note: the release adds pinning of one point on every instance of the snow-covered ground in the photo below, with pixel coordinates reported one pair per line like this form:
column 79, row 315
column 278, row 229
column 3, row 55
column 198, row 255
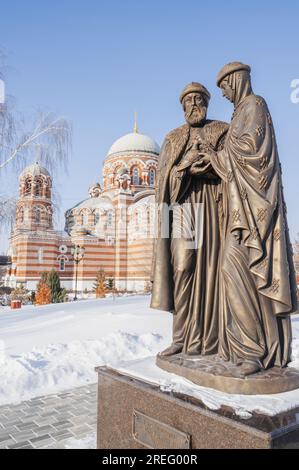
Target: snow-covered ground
column 51, row 348
column 47, row 349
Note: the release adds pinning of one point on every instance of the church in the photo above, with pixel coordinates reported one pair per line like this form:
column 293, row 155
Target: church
column 114, row 225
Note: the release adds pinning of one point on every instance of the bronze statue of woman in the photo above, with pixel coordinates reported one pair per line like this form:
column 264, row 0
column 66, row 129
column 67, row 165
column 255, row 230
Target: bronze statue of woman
column 257, row 276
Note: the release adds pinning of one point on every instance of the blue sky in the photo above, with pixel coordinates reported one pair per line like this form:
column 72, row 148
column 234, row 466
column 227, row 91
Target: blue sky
column 96, row 62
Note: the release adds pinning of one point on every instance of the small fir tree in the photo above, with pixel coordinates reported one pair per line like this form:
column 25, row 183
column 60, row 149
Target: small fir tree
column 58, row 294
column 100, row 284
column 49, row 289
column 43, row 292
column 110, row 284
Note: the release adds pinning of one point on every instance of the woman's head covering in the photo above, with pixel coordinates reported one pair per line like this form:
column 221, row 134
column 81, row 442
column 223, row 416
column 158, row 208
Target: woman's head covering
column 238, row 77
column 229, row 68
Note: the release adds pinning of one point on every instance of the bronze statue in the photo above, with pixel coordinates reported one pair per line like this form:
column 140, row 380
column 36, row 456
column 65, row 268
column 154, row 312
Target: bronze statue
column 185, row 280
column 243, row 313
column 257, row 272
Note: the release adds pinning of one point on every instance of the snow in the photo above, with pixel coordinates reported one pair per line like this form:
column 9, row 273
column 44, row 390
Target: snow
column 85, row 320
column 48, row 349
column 243, row 405
column 44, row 350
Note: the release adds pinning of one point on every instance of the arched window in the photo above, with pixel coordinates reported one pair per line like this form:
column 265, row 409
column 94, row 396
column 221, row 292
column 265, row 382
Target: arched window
column 48, row 190
column 38, row 187
column 49, row 217
column 62, row 264
column 148, row 217
column 21, row 215
column 62, row 260
column 28, row 186
column 135, row 178
column 110, row 219
column 37, row 215
column 71, row 220
column 136, row 219
column 96, row 218
column 152, row 177
column 84, row 218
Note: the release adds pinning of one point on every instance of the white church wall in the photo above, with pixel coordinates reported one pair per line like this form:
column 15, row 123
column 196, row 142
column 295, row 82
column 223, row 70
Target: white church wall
column 135, row 285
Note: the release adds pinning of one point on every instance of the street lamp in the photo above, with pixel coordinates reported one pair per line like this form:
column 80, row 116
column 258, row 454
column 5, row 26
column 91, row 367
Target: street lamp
column 77, row 254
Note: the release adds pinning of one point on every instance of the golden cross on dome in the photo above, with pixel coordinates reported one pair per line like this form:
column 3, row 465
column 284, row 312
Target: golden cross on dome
column 136, row 130
column 38, row 153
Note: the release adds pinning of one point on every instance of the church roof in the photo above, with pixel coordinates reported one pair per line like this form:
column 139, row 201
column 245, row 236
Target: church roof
column 93, row 203
column 35, row 170
column 143, row 201
column 134, row 142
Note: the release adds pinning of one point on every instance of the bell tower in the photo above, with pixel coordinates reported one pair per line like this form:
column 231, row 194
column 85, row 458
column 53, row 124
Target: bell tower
column 34, row 210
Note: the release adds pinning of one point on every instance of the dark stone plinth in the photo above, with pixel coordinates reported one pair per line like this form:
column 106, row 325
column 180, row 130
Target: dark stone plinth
column 212, row 372
column 133, row 414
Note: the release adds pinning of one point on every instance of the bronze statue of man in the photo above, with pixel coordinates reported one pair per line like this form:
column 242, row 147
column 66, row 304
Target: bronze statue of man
column 257, row 281
column 185, row 278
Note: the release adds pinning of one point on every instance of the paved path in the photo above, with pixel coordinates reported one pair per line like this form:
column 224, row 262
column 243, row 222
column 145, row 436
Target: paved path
column 49, row 421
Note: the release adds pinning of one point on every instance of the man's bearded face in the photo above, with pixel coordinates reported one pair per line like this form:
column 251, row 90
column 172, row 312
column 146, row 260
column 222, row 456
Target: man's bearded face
column 195, row 109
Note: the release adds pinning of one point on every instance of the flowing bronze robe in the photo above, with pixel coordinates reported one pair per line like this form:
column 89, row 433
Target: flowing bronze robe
column 185, row 280
column 258, row 288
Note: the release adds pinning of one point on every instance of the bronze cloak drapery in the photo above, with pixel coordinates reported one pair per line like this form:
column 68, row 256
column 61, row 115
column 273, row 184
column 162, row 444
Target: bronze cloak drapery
column 172, row 151
column 257, row 275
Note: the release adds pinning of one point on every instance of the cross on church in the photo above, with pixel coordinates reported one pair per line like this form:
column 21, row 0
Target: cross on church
column 38, row 152
column 136, row 130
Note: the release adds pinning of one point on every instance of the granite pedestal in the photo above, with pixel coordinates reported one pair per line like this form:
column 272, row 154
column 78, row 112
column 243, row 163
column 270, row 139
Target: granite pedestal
column 134, row 414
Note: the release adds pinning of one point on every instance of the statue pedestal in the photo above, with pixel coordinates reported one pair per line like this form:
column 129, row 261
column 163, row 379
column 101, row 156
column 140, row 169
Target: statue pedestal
column 136, row 414
column 212, row 372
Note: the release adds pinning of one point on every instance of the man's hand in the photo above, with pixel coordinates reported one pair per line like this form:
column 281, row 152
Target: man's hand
column 192, row 156
column 204, row 159
column 200, row 167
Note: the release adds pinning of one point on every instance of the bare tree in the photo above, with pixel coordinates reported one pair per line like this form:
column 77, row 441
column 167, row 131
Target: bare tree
column 20, row 138
column 8, row 132
column 7, row 207
column 51, row 134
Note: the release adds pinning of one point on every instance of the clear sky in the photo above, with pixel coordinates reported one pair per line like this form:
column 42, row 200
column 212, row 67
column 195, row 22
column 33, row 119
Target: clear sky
column 96, row 62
